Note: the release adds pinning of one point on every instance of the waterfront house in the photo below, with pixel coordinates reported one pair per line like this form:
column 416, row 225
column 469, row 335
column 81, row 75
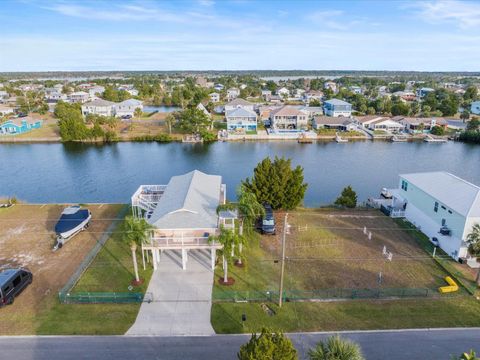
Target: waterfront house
column 420, row 125
column 99, row 107
column 239, row 103
column 475, row 108
column 232, row 93
column 5, row 110
column 380, row 123
column 214, row 97
column 18, row 126
column 337, row 123
column 443, row 206
column 313, row 95
column 337, row 107
column 241, row 118
column 288, row 118
column 183, row 214
column 127, row 107
column 78, row 97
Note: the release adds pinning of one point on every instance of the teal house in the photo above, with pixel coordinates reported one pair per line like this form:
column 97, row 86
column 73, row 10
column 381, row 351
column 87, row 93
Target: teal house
column 19, row 126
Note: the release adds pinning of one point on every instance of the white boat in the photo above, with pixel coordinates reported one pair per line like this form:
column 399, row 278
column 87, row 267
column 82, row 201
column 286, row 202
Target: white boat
column 72, row 220
column 338, row 139
column 431, row 139
column 398, row 138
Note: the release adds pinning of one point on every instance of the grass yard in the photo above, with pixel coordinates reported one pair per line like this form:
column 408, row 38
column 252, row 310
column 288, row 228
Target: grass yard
column 327, row 249
column 348, row 315
column 112, row 269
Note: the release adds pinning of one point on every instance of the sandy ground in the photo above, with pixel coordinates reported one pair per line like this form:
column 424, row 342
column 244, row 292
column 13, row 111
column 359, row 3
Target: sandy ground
column 26, row 240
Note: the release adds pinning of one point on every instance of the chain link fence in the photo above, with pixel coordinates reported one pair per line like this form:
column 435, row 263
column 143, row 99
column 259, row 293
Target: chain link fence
column 66, row 296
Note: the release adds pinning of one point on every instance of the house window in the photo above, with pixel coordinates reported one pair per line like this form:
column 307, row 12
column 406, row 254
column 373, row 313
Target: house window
column 444, row 222
column 444, row 208
column 435, row 208
column 404, row 185
column 450, row 211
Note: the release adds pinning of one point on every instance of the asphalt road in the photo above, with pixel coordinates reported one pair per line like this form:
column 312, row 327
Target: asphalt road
column 392, row 345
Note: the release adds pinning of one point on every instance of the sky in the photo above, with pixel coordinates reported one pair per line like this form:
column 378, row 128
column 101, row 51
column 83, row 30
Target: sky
column 60, row 35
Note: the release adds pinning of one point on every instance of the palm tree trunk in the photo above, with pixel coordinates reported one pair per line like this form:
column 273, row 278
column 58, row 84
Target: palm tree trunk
column 225, row 271
column 135, row 266
column 477, row 280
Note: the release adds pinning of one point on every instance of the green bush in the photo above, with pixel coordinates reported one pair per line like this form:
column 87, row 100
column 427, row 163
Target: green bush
column 268, row 345
column 348, row 198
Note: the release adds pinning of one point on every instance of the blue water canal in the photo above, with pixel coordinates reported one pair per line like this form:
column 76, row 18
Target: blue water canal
column 110, row 173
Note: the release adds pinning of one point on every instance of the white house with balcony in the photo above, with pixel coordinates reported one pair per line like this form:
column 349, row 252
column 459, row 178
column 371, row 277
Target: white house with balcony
column 183, row 214
column 443, row 206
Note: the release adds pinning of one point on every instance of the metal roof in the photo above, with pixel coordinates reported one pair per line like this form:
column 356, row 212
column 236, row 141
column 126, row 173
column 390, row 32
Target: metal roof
column 190, row 201
column 240, row 112
column 336, row 102
column 450, row 190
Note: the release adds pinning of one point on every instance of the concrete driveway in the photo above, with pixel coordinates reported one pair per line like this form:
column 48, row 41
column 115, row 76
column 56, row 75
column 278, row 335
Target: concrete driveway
column 182, row 299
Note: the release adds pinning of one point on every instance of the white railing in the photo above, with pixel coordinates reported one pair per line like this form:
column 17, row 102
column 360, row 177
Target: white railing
column 169, row 242
column 397, row 213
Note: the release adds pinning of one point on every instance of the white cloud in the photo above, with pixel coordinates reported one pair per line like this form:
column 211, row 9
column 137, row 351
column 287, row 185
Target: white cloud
column 461, row 13
column 206, row 2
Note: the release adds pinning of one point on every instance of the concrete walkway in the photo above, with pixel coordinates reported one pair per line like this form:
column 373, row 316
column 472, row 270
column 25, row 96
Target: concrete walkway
column 182, row 299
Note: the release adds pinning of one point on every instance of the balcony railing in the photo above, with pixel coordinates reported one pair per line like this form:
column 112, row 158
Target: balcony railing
column 181, row 242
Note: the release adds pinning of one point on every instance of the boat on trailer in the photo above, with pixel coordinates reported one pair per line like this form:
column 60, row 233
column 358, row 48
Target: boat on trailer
column 72, row 220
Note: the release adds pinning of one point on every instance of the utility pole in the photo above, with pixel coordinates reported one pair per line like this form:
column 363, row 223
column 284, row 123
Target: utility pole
column 284, row 236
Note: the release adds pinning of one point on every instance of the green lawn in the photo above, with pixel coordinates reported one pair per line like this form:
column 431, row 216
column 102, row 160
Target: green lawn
column 112, row 269
column 351, row 315
column 326, row 249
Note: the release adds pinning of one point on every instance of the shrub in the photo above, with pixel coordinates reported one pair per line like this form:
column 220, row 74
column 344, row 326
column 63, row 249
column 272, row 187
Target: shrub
column 268, row 345
column 348, row 198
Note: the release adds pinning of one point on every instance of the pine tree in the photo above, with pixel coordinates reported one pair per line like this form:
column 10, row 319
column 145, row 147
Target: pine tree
column 277, row 184
column 268, row 345
column 348, row 198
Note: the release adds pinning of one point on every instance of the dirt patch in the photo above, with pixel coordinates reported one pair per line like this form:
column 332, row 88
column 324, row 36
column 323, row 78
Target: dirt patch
column 26, row 240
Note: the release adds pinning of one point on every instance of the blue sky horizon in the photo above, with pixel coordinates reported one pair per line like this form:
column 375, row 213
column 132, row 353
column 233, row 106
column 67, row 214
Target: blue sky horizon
column 147, row 35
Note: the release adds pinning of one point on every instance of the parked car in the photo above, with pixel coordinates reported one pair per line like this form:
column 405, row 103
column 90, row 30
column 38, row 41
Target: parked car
column 126, row 117
column 12, row 283
column 22, row 115
column 268, row 221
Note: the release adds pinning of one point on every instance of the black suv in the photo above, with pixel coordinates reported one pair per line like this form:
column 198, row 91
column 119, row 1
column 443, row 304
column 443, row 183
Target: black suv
column 268, row 221
column 12, row 283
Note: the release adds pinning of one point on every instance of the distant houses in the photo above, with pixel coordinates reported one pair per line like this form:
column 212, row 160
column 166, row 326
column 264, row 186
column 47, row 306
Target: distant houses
column 336, row 107
column 214, row 97
column 239, row 103
column 18, row 126
column 109, row 108
column 232, row 93
column 78, row 97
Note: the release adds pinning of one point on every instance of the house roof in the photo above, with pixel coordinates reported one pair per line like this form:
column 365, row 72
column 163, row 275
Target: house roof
column 286, row 111
column 99, row 102
column 130, row 102
column 329, row 120
column 418, row 121
column 238, row 102
column 240, row 112
column 452, row 191
column 336, row 102
column 368, row 118
column 190, row 201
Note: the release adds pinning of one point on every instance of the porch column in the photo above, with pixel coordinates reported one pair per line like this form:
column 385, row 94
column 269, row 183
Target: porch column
column 213, row 252
column 184, row 259
column 154, row 259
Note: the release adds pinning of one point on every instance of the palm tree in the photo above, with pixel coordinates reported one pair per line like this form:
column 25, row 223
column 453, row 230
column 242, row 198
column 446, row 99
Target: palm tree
column 473, row 241
column 250, row 210
column 229, row 240
column 469, row 356
column 135, row 233
column 336, row 348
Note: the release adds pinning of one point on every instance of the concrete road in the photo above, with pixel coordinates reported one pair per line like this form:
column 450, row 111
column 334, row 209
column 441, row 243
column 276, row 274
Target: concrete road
column 381, row 345
column 182, row 299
